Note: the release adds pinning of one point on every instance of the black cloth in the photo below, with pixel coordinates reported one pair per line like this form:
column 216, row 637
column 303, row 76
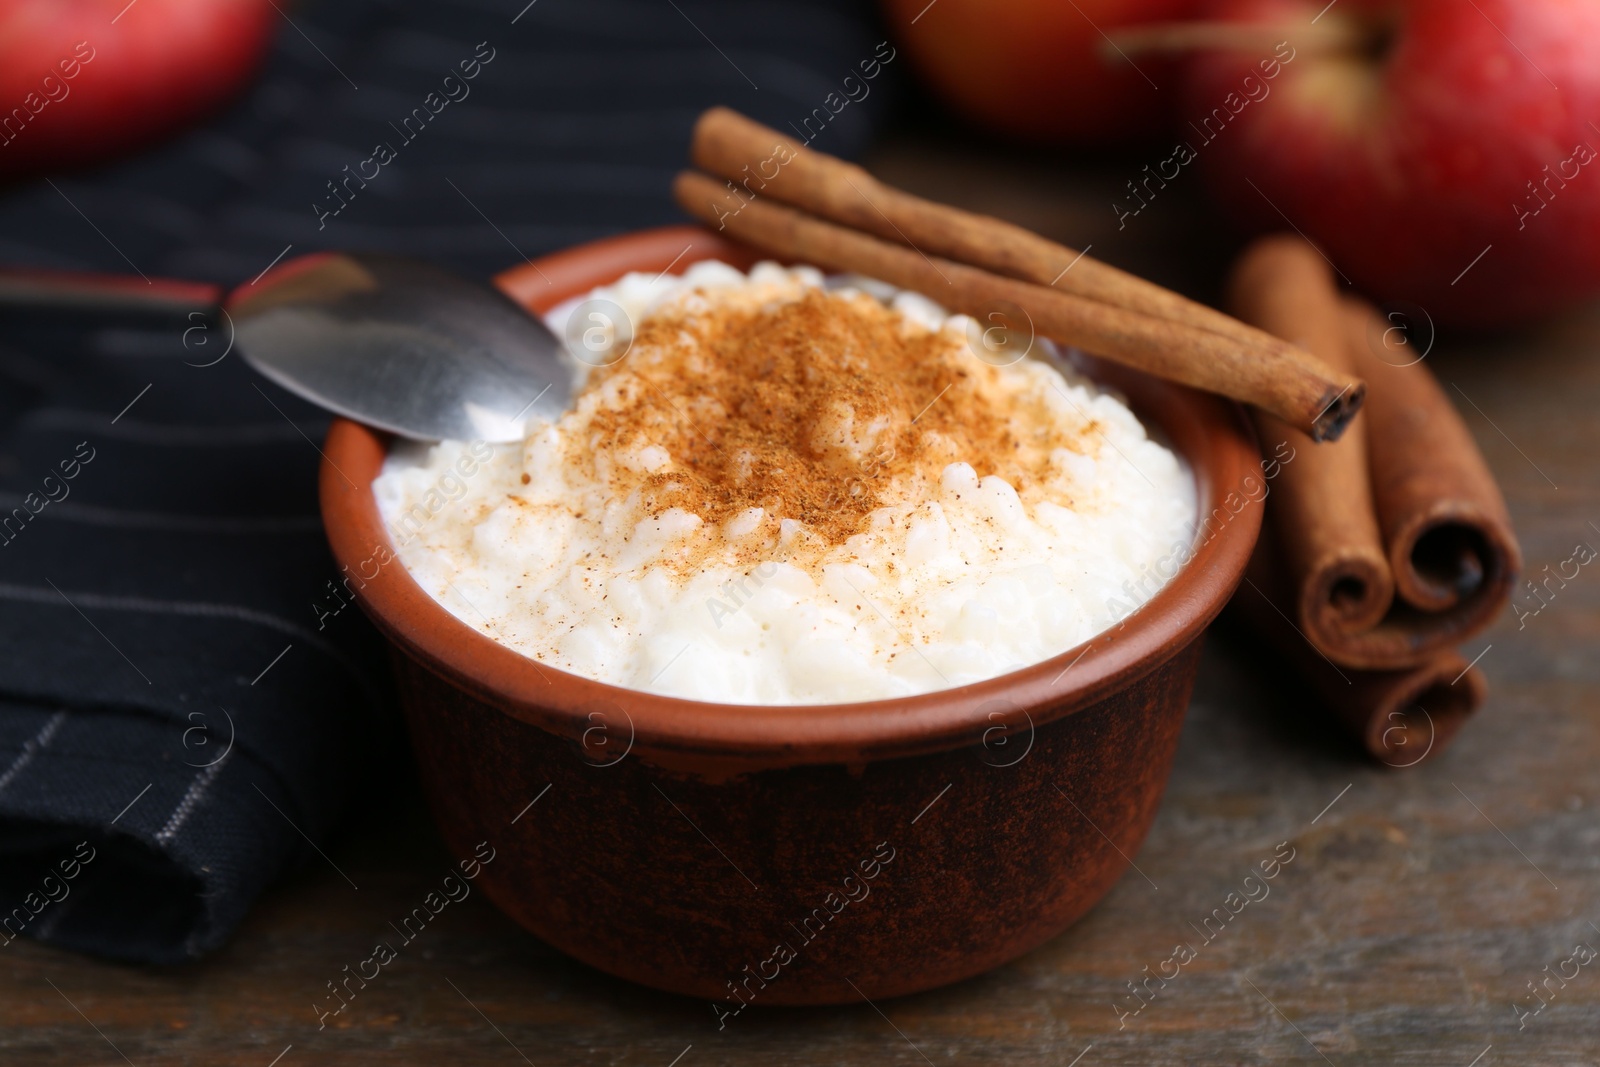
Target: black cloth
column 177, row 725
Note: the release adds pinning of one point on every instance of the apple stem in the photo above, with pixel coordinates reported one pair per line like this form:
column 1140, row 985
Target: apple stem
column 1330, row 35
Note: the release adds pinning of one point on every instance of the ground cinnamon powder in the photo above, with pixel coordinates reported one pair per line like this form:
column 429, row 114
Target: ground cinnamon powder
column 811, row 409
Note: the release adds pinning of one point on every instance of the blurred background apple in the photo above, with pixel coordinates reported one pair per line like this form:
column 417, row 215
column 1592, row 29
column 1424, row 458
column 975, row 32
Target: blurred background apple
column 111, row 75
column 1448, row 156
column 1033, row 69
column 1443, row 153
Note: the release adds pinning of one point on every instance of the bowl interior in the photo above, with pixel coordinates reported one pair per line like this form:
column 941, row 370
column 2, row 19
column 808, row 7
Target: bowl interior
column 1210, row 433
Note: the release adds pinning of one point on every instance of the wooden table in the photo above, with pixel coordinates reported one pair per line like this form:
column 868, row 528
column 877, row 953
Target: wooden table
column 1418, row 907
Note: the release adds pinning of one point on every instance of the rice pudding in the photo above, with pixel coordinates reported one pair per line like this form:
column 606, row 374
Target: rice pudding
column 786, row 492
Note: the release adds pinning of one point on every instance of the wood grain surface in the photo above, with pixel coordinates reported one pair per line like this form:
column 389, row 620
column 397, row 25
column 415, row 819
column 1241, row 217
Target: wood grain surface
column 1418, row 907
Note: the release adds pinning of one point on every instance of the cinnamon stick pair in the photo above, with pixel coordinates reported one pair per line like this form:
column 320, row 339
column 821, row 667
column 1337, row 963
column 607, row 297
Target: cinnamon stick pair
column 1382, row 552
column 849, row 221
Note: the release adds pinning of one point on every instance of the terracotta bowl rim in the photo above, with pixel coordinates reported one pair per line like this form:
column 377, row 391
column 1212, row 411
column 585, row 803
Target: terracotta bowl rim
column 647, row 723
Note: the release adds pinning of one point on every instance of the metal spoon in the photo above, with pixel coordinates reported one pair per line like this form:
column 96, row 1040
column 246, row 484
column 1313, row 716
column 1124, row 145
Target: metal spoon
column 402, row 346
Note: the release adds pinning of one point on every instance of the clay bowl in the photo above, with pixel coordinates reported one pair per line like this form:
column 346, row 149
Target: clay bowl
column 797, row 855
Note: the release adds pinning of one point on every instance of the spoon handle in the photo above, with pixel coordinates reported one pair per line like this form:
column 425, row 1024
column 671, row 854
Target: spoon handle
column 74, row 291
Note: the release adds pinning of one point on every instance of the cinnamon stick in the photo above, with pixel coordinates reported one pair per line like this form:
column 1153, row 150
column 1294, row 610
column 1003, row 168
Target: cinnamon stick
column 1395, row 542
column 1400, row 716
column 761, row 161
column 1322, row 512
column 1280, row 378
column 1449, row 536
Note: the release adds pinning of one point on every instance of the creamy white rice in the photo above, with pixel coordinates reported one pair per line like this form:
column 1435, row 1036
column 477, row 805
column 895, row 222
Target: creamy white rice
column 562, row 547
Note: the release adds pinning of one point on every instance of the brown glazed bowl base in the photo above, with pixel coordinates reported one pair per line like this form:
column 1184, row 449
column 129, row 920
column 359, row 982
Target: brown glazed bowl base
column 1002, row 859
column 798, row 855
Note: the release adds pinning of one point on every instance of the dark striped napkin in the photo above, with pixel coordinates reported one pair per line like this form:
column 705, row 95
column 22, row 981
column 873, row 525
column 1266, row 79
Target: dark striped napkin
column 178, row 725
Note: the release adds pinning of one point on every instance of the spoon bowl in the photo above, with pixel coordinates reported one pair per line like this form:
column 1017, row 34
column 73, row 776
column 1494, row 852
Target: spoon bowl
column 402, row 346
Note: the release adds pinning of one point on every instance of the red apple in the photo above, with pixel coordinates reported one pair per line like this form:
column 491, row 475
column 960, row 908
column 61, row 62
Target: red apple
column 1447, row 153
column 1033, row 69
column 85, row 80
